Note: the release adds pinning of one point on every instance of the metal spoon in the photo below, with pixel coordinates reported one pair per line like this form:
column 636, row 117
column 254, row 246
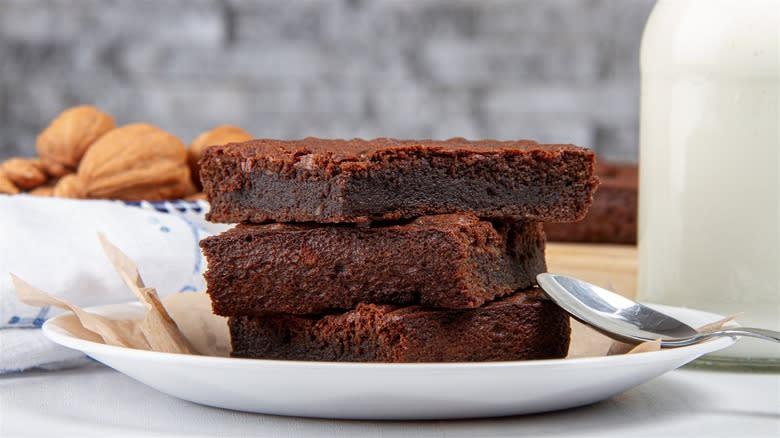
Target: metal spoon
column 626, row 320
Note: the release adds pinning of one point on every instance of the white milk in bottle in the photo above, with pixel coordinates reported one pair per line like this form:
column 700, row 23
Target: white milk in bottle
column 709, row 216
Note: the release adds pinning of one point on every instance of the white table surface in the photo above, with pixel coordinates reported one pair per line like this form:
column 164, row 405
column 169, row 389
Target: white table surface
column 94, row 400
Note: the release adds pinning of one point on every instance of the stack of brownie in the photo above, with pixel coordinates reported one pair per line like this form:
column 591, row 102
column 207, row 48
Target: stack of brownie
column 388, row 250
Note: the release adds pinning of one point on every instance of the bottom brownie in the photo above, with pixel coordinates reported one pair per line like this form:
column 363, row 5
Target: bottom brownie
column 522, row 326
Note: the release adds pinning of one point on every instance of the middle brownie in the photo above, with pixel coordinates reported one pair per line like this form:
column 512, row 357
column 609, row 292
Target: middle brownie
column 447, row 261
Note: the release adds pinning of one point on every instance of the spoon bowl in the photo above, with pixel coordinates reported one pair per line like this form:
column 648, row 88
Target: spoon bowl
column 626, row 320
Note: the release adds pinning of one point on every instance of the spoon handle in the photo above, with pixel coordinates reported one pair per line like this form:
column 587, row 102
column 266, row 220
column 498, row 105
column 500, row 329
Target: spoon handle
column 767, row 335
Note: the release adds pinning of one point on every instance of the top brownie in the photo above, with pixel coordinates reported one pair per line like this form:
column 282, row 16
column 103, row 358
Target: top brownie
column 331, row 181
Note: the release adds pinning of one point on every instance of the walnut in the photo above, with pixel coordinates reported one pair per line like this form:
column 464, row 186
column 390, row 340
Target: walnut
column 45, row 190
column 199, row 196
column 69, row 186
column 25, row 173
column 6, row 186
column 63, row 143
column 135, row 162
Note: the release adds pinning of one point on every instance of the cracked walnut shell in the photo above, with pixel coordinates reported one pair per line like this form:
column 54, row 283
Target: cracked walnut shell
column 63, row 143
column 135, row 162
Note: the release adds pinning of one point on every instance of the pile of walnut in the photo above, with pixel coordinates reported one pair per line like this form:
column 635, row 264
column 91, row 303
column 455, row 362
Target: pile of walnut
column 82, row 154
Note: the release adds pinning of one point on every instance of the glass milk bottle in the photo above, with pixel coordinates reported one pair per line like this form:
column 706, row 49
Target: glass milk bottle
column 709, row 216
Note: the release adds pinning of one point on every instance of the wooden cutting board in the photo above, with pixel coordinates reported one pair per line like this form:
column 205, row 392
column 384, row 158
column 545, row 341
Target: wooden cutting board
column 612, row 267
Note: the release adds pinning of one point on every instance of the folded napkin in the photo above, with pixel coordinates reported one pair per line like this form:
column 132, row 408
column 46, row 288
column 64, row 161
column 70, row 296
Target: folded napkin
column 52, row 243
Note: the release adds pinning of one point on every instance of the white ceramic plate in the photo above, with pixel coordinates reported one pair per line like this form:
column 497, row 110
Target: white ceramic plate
column 386, row 391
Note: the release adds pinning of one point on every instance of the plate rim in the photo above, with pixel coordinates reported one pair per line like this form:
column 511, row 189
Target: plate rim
column 52, row 331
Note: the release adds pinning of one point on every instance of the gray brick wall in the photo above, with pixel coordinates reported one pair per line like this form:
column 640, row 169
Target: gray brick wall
column 552, row 70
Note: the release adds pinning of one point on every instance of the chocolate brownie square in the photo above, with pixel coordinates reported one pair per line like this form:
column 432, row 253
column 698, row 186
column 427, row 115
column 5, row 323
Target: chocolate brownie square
column 522, row 326
column 448, row 261
column 333, row 181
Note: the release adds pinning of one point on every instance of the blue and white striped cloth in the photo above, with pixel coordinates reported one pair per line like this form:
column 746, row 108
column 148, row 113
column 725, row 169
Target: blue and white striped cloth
column 52, row 243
